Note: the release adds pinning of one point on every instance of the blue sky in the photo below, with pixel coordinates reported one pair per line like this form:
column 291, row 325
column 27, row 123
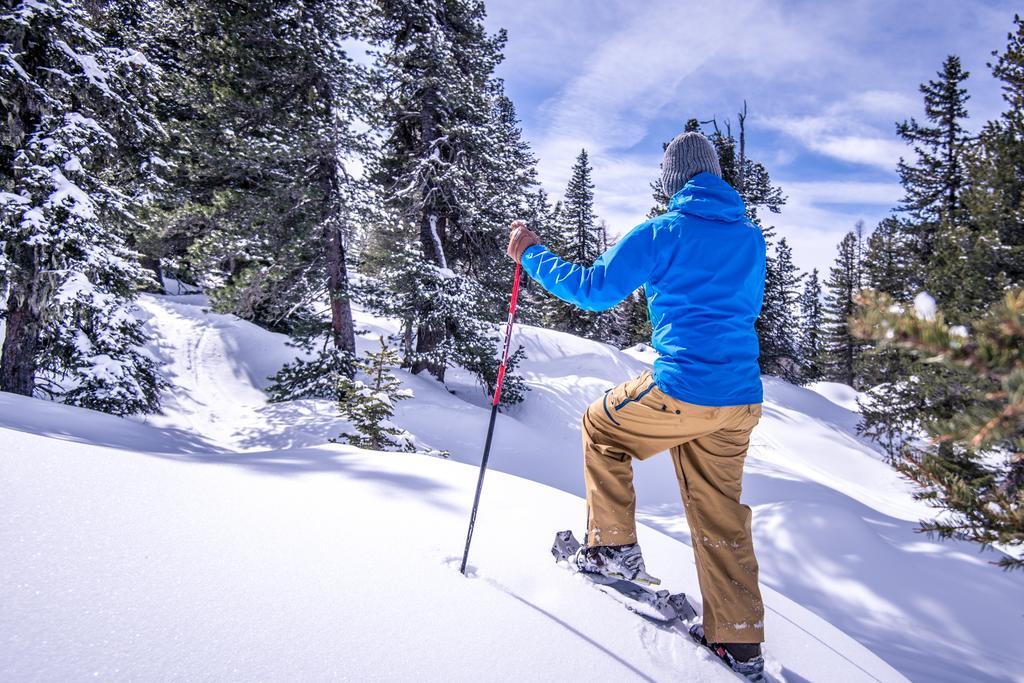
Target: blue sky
column 824, row 83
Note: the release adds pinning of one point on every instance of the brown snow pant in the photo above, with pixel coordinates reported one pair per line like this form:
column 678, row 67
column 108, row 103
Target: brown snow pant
column 708, row 445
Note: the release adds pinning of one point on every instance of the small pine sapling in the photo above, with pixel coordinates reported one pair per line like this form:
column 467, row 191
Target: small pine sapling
column 370, row 406
column 316, row 377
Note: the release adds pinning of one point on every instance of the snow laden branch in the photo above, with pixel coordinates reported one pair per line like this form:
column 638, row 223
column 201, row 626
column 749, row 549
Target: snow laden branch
column 974, row 469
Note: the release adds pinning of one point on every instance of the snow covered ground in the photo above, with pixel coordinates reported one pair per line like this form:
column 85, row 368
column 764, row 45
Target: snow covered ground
column 225, row 539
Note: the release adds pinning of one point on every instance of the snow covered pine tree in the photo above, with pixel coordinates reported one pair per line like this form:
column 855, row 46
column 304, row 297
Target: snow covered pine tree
column 271, row 200
column 74, row 142
column 442, row 178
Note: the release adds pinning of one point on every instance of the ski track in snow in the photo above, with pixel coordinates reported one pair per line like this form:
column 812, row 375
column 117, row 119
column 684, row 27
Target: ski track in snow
column 212, row 393
column 833, row 525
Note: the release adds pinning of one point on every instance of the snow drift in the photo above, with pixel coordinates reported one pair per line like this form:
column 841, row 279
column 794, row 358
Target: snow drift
column 227, row 539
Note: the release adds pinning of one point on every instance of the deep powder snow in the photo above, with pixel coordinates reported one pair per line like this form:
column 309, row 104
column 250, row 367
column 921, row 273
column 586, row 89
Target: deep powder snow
column 228, row 539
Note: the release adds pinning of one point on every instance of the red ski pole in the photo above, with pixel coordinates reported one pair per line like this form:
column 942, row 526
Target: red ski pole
column 494, row 414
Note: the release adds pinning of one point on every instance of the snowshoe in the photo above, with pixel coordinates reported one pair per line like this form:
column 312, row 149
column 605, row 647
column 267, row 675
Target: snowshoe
column 751, row 667
column 660, row 606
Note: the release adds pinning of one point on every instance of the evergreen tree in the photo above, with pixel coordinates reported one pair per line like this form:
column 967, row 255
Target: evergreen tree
column 73, row 146
column 450, row 177
column 995, row 195
column 973, row 470
column 181, row 210
column 614, row 326
column 887, row 263
column 580, row 241
column 957, row 247
column 841, row 347
column 921, row 250
column 888, row 370
column 964, row 273
column 750, row 178
column 370, row 405
column 507, row 188
column 960, row 208
column 660, row 198
column 812, row 330
column 436, row 66
column 904, row 391
column 410, row 285
column 776, row 326
column 636, row 321
column 582, row 237
column 266, row 142
column 934, row 182
column 779, row 326
column 534, row 302
column 148, row 27
column 859, row 252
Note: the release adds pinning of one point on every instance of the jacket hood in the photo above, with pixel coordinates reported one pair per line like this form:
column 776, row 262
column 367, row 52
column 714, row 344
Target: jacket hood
column 707, row 196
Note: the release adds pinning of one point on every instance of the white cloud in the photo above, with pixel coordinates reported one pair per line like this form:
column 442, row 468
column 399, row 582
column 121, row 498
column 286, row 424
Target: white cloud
column 848, row 130
column 818, row 213
column 884, row 102
column 839, row 136
column 617, row 77
column 657, row 61
column 842, row 192
column 638, row 70
column 872, row 151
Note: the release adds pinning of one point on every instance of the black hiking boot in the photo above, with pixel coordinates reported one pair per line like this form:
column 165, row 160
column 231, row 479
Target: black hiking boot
column 743, row 658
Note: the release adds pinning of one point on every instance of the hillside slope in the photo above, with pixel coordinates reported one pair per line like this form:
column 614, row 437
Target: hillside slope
column 319, row 563
column 834, row 525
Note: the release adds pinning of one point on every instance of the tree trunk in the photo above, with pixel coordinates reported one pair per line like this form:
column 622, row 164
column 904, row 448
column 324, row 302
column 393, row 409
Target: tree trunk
column 24, row 317
column 342, row 329
column 742, row 175
column 429, row 338
column 18, row 358
column 407, row 334
column 152, row 264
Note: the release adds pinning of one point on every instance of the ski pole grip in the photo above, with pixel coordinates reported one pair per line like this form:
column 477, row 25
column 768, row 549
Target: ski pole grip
column 508, row 336
column 515, row 296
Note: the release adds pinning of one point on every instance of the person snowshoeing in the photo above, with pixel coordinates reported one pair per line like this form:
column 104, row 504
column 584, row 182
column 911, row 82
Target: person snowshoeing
column 702, row 267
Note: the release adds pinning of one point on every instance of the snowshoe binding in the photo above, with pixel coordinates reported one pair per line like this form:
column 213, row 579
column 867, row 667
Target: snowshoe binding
column 615, row 562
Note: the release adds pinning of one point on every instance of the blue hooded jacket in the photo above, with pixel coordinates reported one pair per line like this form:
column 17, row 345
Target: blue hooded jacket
column 702, row 266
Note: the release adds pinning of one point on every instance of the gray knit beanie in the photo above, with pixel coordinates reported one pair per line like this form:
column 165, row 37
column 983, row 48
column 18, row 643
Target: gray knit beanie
column 686, row 156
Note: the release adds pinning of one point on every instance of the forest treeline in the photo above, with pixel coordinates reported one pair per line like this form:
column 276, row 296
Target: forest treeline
column 240, row 147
